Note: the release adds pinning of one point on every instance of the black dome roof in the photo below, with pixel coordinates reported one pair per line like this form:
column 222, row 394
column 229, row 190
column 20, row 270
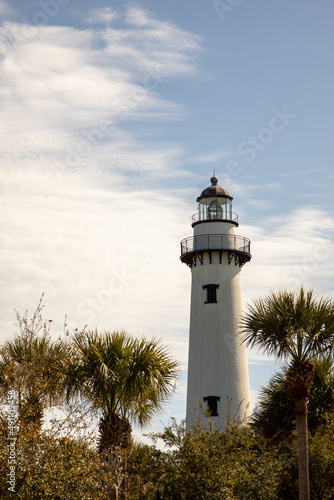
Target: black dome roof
column 214, row 191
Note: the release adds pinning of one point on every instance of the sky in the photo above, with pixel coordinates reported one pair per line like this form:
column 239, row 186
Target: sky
column 114, row 116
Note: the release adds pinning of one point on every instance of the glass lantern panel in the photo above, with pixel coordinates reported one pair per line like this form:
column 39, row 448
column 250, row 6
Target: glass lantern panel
column 227, row 209
column 215, row 208
column 215, row 211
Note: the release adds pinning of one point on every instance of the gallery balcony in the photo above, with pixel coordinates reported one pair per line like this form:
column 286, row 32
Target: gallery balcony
column 236, row 247
column 209, row 216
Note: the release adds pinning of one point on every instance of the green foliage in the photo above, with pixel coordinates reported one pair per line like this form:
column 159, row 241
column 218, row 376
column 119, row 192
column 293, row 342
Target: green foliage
column 127, row 380
column 209, row 464
column 123, row 378
column 51, row 464
column 274, row 416
column 321, row 450
column 132, row 379
column 146, row 466
column 321, row 402
column 297, row 326
column 232, row 465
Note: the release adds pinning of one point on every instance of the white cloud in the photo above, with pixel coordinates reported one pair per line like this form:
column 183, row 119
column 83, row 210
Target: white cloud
column 85, row 215
column 62, row 85
column 289, row 251
column 104, row 15
column 140, row 18
column 107, row 258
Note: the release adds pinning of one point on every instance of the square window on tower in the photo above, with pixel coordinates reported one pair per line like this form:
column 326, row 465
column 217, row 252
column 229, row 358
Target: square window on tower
column 212, row 402
column 210, row 294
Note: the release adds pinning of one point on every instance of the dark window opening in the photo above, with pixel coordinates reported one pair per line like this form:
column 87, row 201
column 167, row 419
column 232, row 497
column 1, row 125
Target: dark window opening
column 211, row 293
column 212, row 405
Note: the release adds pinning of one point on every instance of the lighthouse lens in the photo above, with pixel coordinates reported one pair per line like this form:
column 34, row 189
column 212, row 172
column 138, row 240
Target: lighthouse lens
column 215, row 210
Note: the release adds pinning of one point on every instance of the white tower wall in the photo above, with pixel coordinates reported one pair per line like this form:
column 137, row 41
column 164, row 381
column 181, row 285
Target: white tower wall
column 217, row 358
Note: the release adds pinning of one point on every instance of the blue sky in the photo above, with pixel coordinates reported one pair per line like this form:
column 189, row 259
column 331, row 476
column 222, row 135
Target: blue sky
column 113, row 116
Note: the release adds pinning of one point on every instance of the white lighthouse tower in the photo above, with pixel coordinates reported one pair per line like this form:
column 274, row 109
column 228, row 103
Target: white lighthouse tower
column 217, row 368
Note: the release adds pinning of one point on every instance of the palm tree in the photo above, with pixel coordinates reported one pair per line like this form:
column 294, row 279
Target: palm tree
column 33, row 368
column 296, row 326
column 127, row 379
column 32, row 365
column 274, row 415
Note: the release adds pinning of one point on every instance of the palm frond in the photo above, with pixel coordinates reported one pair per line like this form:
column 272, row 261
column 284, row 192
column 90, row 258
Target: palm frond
column 295, row 325
column 130, row 377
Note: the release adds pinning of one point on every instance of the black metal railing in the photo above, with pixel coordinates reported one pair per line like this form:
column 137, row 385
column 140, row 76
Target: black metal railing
column 218, row 242
column 206, row 216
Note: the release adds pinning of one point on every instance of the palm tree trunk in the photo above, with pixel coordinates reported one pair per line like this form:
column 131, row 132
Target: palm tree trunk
column 112, row 466
column 115, row 436
column 302, row 442
column 125, row 480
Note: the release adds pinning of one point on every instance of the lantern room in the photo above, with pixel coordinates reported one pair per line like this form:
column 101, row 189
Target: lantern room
column 214, row 204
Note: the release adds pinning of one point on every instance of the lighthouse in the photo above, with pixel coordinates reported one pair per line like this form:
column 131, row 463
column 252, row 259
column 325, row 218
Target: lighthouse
column 217, row 368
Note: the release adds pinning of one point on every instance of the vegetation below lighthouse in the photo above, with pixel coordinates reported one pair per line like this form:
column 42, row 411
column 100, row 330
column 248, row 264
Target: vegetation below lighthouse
column 61, row 458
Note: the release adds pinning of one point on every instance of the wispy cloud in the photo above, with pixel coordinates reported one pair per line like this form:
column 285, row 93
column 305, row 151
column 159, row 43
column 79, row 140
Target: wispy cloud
column 70, row 92
column 102, row 15
column 289, row 251
column 99, row 254
column 86, row 216
column 140, row 18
